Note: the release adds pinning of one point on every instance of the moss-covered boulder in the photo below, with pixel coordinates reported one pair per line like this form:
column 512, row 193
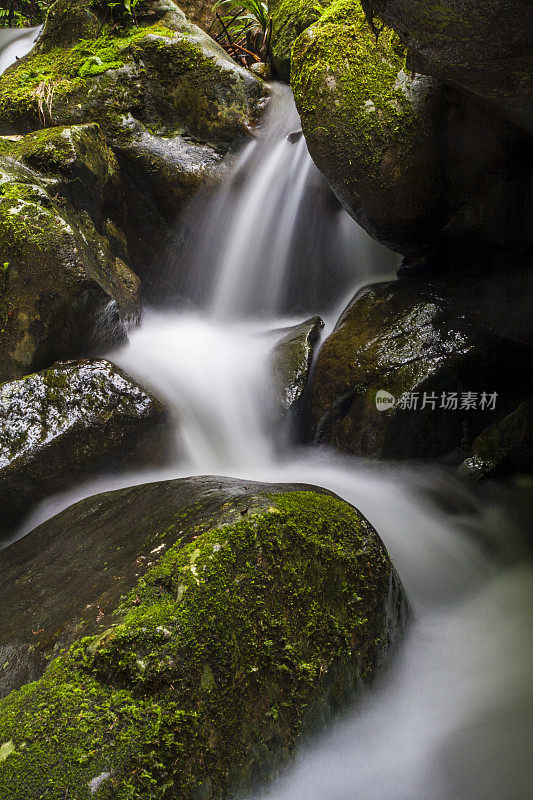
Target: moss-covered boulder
column 60, row 425
column 164, row 73
column 291, row 361
column 402, row 152
column 64, row 287
column 370, row 126
column 249, row 613
column 169, row 101
column 289, row 19
column 484, row 47
column 398, row 343
column 504, row 447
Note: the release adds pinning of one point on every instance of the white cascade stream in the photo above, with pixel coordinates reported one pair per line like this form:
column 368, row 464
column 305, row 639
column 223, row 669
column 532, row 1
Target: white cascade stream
column 15, row 43
column 451, row 719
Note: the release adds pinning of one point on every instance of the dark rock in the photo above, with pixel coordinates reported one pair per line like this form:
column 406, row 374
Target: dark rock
column 483, row 47
column 410, row 337
column 251, row 611
column 403, row 153
column 63, row 424
column 64, row 286
column 504, row 447
column 291, row 361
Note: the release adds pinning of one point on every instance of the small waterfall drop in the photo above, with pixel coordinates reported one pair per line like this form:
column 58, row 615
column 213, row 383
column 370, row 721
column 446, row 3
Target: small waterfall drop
column 273, row 239
column 248, row 258
column 15, row 43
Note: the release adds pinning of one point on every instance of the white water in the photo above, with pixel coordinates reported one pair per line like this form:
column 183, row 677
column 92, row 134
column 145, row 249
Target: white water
column 273, row 239
column 15, row 43
column 452, row 717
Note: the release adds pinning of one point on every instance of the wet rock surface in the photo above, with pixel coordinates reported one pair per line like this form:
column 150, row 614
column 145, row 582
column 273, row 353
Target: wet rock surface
column 407, row 156
column 249, row 613
column 484, row 47
column 504, row 447
column 291, row 361
column 409, row 339
column 64, row 286
column 65, row 423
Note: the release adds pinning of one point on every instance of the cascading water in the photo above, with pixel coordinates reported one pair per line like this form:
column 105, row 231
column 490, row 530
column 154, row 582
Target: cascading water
column 273, row 239
column 451, row 718
column 15, row 43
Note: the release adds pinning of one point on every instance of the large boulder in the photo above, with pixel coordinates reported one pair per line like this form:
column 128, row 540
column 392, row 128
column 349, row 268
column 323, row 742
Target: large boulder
column 169, row 101
column 402, row 152
column 484, row 47
column 249, row 612
column 64, row 286
column 400, row 342
column 58, row 426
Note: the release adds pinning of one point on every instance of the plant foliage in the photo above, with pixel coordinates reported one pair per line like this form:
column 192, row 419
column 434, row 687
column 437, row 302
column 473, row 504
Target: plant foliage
column 244, row 28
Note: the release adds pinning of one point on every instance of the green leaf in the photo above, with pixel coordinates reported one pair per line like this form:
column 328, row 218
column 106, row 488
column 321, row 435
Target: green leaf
column 6, row 750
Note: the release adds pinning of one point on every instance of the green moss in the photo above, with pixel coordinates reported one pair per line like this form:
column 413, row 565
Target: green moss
column 66, row 70
column 76, row 151
column 223, row 655
column 339, row 57
column 289, row 19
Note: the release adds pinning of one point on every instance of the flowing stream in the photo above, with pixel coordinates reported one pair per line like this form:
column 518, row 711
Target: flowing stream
column 451, row 718
column 15, row 43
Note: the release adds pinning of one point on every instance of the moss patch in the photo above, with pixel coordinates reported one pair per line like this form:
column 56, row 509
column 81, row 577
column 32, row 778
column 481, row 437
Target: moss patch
column 66, row 70
column 371, row 127
column 227, row 650
column 289, row 19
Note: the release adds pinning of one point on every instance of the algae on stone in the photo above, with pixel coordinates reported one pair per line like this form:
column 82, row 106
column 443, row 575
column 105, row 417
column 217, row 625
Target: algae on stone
column 289, row 19
column 168, row 99
column 252, row 612
column 369, row 124
column 65, row 287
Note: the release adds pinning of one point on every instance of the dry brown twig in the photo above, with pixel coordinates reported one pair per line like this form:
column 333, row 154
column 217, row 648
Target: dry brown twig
column 43, row 94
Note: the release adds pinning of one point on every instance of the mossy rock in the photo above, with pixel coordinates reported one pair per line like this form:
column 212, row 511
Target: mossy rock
column 249, row 614
column 484, row 47
column 371, row 127
column 168, row 98
column 67, row 422
column 289, row 19
column 411, row 337
column 164, row 72
column 404, row 154
column 82, row 168
column 64, row 286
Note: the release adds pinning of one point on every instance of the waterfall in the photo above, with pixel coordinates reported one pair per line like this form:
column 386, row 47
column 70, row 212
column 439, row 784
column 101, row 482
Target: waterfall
column 243, row 256
column 451, row 717
column 15, row 43
column 247, row 250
